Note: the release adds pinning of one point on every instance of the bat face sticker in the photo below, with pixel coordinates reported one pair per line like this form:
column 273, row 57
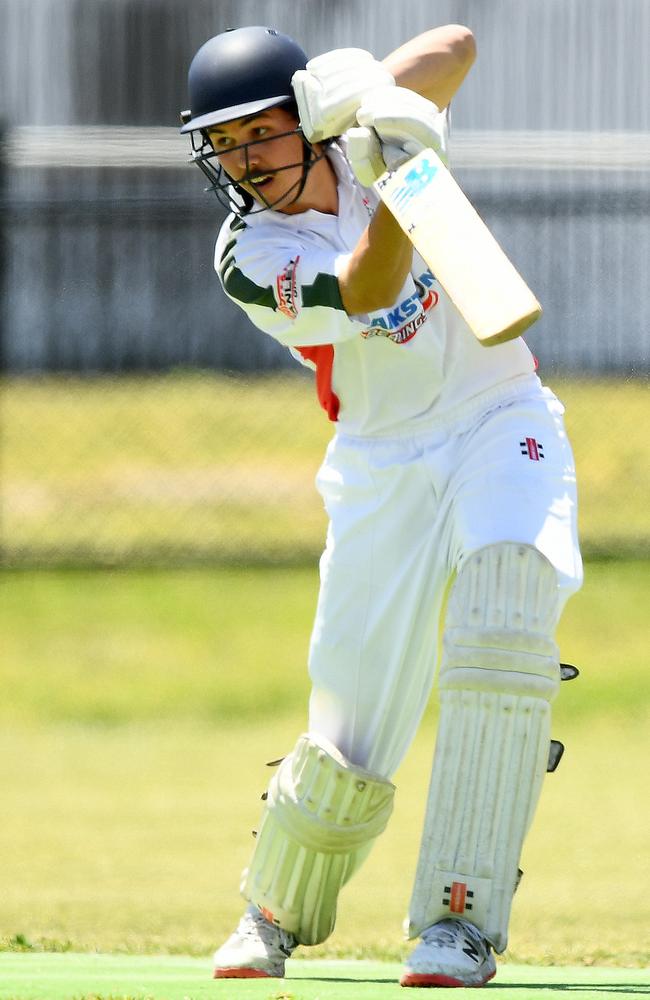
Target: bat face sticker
column 415, row 181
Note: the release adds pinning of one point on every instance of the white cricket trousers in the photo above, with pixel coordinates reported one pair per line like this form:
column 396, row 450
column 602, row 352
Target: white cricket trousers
column 405, row 511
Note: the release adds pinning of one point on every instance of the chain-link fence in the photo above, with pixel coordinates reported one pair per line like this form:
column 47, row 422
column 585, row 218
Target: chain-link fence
column 144, row 420
column 199, row 467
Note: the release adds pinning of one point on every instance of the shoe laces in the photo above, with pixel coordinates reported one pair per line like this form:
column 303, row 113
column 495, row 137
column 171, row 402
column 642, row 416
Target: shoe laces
column 447, row 932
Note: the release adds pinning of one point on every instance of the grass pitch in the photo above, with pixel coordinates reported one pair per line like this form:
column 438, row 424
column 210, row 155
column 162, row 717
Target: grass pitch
column 109, row 977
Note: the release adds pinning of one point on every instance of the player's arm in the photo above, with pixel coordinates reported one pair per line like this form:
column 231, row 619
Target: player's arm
column 435, row 63
column 396, row 123
column 329, row 93
column 377, row 268
column 333, row 86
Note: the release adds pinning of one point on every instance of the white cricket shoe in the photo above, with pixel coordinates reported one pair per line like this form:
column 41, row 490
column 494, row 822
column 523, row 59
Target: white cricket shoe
column 257, row 948
column 450, row 953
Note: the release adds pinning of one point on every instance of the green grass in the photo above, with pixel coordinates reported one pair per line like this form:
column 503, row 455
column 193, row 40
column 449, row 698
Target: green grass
column 193, row 464
column 199, row 466
column 139, row 709
column 132, row 841
column 100, row 977
column 115, row 647
column 226, row 645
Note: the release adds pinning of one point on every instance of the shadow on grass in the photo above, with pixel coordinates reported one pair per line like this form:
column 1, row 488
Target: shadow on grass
column 642, row 988
column 340, row 979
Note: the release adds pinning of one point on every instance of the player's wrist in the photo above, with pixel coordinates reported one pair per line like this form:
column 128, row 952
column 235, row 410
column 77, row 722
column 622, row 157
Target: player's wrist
column 394, row 125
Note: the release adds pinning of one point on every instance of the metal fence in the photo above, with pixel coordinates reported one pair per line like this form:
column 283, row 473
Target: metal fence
column 201, row 466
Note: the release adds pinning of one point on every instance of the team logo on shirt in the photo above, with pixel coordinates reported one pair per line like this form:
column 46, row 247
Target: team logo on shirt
column 285, row 289
column 402, row 323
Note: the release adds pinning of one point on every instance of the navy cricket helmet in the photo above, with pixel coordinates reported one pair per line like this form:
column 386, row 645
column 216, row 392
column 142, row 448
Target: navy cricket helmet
column 241, row 72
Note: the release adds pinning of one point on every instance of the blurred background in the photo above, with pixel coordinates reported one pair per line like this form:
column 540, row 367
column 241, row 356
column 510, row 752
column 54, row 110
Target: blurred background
column 144, row 419
column 159, row 527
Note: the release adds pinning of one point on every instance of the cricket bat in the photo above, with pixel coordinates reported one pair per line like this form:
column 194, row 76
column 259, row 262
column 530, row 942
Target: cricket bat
column 462, row 253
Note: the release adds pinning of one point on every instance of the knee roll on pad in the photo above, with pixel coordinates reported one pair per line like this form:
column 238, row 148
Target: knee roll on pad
column 501, row 618
column 322, row 814
column 499, row 673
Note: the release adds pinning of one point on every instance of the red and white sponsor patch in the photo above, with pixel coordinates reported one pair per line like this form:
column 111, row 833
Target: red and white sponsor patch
column 285, row 289
column 401, row 323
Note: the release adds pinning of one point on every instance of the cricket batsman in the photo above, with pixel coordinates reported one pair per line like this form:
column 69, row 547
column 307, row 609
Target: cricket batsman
column 449, row 470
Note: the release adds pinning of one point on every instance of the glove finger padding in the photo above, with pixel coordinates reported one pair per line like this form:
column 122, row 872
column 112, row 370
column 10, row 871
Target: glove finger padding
column 331, row 88
column 369, row 158
column 364, row 155
column 402, row 118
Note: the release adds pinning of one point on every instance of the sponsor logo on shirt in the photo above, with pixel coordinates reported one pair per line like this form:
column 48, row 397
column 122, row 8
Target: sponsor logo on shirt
column 285, row 289
column 402, row 323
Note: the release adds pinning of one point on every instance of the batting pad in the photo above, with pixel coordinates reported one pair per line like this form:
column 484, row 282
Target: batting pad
column 322, row 814
column 498, row 675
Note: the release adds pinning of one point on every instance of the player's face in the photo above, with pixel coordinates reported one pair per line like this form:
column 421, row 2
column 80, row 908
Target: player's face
column 264, row 155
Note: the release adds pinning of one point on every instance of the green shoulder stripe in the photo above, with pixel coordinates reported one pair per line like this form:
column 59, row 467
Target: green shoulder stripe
column 226, row 256
column 242, row 288
column 235, row 281
column 324, row 291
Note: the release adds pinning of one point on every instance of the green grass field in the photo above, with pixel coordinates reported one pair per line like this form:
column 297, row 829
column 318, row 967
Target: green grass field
column 60, row 977
column 205, row 467
column 137, row 714
column 139, row 706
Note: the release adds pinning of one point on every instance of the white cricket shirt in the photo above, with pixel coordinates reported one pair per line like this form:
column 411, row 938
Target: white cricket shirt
column 394, row 370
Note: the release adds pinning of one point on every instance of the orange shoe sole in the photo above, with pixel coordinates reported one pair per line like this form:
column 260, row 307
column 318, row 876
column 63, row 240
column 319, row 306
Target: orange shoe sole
column 421, row 979
column 241, row 974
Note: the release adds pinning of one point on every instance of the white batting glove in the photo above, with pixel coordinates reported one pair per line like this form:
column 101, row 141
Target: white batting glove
column 396, row 123
column 329, row 91
column 367, row 157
